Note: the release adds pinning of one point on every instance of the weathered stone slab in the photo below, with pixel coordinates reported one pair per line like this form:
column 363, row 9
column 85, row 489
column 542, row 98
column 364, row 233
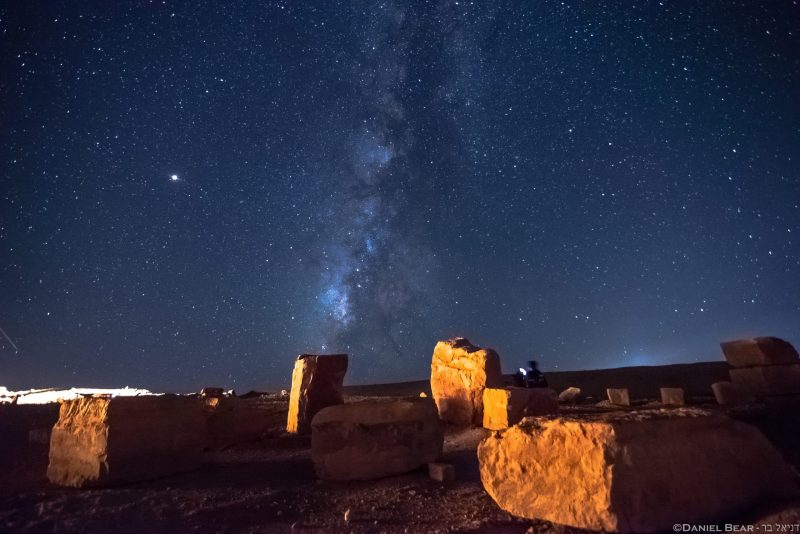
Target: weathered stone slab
column 316, row 384
column 504, row 407
column 542, row 401
column 100, row 441
column 673, row 396
column 768, row 379
column 571, row 394
column 728, row 394
column 441, row 472
column 232, row 420
column 759, row 351
column 375, row 438
column 460, row 372
column 618, row 396
column 632, row 471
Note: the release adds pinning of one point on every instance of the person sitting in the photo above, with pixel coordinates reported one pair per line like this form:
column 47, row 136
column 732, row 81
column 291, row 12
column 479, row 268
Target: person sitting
column 531, row 377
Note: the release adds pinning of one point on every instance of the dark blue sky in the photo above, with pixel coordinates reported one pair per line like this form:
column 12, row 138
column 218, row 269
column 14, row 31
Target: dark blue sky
column 595, row 184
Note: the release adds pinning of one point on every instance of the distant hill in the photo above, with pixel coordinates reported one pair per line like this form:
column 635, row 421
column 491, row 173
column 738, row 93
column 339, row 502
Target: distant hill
column 642, row 382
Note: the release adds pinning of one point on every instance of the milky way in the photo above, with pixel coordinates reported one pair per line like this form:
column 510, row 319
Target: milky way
column 194, row 193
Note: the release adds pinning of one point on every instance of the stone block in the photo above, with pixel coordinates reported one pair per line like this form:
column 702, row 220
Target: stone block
column 504, row 407
column 759, row 351
column 673, row 396
column 632, row 471
column 101, row 441
column 728, row 394
column 460, row 372
column 441, row 472
column 768, row 380
column 375, row 438
column 541, row 401
column 618, row 396
column 316, row 384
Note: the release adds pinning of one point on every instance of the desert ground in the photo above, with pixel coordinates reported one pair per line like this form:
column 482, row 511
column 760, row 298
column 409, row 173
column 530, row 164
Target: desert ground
column 269, row 485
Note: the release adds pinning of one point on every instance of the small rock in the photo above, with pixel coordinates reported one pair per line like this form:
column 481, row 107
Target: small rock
column 347, row 515
column 441, row 472
column 571, row 394
column 460, row 372
column 618, row 396
column 673, row 396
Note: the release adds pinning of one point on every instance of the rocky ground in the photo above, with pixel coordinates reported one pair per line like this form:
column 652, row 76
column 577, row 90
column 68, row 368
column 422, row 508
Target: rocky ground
column 269, row 486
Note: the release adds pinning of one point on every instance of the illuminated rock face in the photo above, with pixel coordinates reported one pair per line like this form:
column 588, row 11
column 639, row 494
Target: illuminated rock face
column 759, row 351
column 632, row 471
column 505, row 407
column 101, row 441
column 459, row 374
column 316, row 384
column 373, row 439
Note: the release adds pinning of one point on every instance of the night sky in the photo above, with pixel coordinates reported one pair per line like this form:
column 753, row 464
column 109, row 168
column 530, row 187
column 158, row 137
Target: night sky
column 193, row 193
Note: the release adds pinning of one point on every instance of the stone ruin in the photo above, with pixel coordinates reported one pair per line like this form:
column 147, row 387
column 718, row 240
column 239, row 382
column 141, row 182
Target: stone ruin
column 316, row 384
column 460, row 372
column 766, row 369
column 505, row 407
column 632, row 471
column 618, row 396
column 100, row 441
column 375, row 438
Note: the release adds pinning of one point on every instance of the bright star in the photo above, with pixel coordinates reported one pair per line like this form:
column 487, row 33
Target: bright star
column 174, row 177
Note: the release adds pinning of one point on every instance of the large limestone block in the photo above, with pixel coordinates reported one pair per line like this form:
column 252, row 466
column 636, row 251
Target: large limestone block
column 316, row 384
column 768, row 379
column 101, row 441
column 232, row 420
column 505, row 407
column 729, row 394
column 460, row 372
column 632, row 471
column 373, row 439
column 542, row 401
column 759, row 351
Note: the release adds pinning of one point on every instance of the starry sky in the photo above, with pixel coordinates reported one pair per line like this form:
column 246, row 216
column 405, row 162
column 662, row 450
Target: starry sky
column 193, row 193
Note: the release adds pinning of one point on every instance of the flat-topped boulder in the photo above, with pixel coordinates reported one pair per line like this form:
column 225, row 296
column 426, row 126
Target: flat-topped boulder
column 759, row 351
column 504, row 407
column 460, row 372
column 375, row 438
column 316, row 384
column 101, row 441
column 632, row 471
